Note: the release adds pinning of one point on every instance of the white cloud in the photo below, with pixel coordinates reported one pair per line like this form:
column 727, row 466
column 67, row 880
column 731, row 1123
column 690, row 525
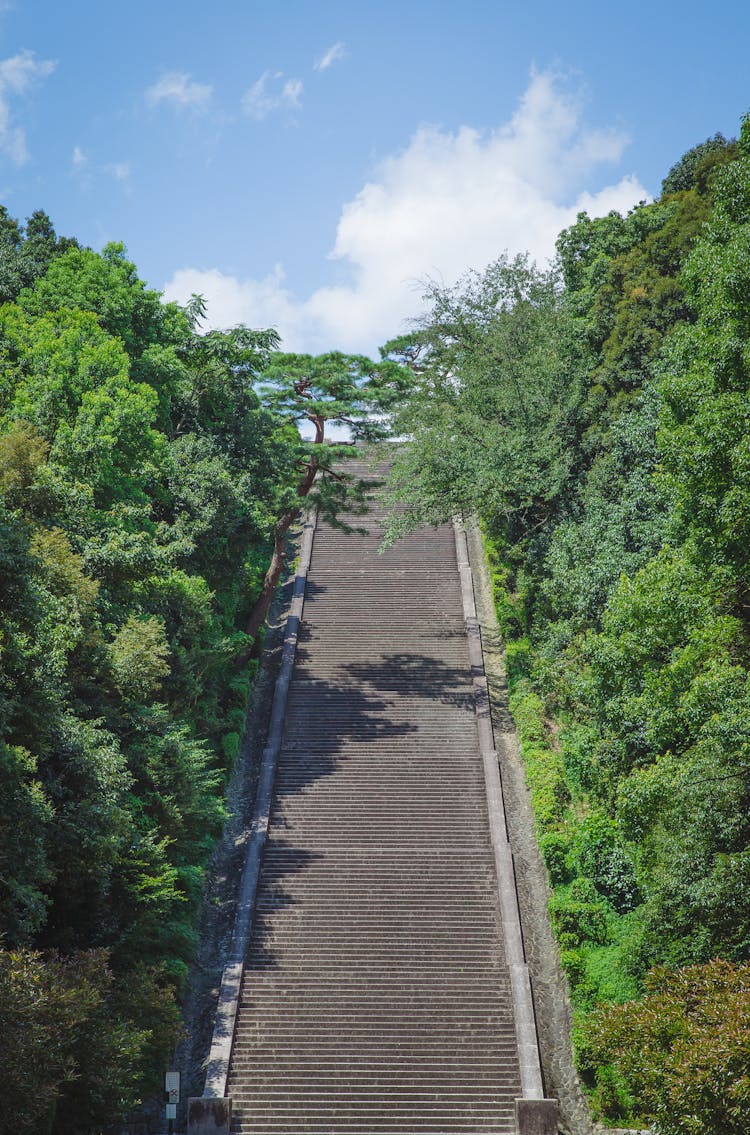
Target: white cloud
column 17, row 74
column 272, row 92
column 335, row 52
column 448, row 202
column 120, row 171
column 19, row 71
column 231, row 299
column 79, row 158
column 178, row 88
column 292, row 93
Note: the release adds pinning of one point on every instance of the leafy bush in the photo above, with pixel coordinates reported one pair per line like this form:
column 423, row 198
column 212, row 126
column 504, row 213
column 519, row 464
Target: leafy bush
column 578, row 917
column 555, row 848
column 518, row 660
column 544, row 771
column 574, row 963
column 600, row 856
column 74, row 1042
column 682, row 1052
column 549, row 791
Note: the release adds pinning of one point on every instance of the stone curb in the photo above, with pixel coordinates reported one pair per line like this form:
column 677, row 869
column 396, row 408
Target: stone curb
column 599, row 1130
column 523, row 1007
column 217, row 1068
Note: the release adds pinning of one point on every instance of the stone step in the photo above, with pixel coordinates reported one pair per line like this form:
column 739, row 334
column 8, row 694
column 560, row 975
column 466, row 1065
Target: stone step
column 376, row 997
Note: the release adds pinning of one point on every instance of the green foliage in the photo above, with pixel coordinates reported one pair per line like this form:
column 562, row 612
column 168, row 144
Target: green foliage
column 493, row 408
column 705, row 382
column 599, row 855
column 555, row 849
column 44, row 1005
column 70, row 1046
column 310, row 392
column 140, row 482
column 509, row 602
column 138, row 657
column 682, row 1051
column 684, row 173
column 617, row 523
column 50, row 363
column 22, row 452
column 544, row 770
column 518, row 661
column 619, row 558
column 25, row 817
column 26, row 254
column 579, row 917
column 336, row 388
column 106, row 285
column 333, row 389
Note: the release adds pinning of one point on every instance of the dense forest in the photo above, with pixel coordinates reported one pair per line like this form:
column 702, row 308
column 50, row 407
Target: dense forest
column 594, row 415
column 144, row 485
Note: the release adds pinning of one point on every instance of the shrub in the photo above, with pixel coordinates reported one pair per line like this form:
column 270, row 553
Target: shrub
column 528, row 713
column 578, row 920
column 518, row 659
column 599, row 855
column 555, row 849
column 682, row 1052
column 574, row 964
column 549, row 791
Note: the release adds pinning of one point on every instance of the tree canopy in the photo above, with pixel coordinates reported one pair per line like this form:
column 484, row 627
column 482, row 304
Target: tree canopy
column 149, row 474
column 593, row 415
column 595, row 418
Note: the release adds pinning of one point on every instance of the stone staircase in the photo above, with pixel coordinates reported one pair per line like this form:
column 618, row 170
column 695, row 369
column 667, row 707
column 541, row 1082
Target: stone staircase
column 375, row 995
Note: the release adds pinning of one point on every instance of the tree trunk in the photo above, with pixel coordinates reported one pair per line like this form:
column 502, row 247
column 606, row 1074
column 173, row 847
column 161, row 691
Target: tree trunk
column 263, row 602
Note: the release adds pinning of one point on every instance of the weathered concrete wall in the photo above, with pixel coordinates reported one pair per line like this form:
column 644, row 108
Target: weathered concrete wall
column 212, row 1116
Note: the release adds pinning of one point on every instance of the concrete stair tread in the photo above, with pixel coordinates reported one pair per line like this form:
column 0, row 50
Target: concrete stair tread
column 376, row 997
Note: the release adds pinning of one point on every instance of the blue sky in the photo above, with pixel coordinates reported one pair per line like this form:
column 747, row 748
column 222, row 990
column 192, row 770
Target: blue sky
column 306, row 164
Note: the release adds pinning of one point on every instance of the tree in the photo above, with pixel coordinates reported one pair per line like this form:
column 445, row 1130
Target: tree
column 681, row 1053
column 333, row 389
column 696, row 162
column 706, row 381
column 71, row 1050
column 25, row 255
column 492, row 417
column 140, row 479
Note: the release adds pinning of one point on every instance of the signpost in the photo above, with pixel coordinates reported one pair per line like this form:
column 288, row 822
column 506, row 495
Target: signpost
column 172, row 1096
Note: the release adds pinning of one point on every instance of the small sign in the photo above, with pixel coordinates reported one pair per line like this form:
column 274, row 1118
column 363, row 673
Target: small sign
column 171, row 1111
column 172, row 1088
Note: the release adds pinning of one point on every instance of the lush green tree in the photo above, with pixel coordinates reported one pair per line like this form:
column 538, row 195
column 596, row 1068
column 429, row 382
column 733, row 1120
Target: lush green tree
column 612, row 526
column 348, row 391
column 26, row 254
column 681, row 1053
column 706, row 379
column 25, row 821
column 493, row 412
column 70, row 1056
column 697, row 163
column 140, row 481
column 596, row 420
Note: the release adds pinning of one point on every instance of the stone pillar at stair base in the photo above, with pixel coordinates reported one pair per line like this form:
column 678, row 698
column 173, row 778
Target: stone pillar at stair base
column 536, row 1117
column 209, row 1115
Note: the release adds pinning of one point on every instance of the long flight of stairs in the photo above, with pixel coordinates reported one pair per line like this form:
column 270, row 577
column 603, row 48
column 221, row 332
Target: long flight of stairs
column 375, row 996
